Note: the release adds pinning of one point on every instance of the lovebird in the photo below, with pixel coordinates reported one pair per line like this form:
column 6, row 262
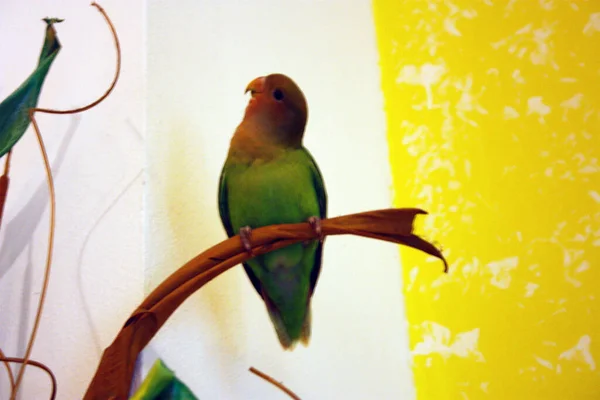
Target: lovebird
column 268, row 178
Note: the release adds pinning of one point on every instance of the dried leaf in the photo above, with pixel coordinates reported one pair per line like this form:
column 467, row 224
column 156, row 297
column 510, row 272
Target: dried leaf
column 113, row 376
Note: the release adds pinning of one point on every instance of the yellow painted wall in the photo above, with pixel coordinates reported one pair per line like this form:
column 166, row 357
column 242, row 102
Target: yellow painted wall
column 493, row 112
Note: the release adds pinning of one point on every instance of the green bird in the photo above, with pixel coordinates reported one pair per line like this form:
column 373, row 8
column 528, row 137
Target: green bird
column 268, row 178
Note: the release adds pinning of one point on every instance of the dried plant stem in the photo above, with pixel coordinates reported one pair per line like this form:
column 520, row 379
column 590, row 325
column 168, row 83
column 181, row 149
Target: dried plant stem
column 50, row 181
column 11, row 377
column 7, row 162
column 42, row 299
column 274, row 383
column 35, row 364
column 112, row 85
column 4, row 181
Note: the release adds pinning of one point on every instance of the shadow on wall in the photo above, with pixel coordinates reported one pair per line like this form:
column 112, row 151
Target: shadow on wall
column 19, row 236
column 19, row 230
column 190, row 201
column 80, row 259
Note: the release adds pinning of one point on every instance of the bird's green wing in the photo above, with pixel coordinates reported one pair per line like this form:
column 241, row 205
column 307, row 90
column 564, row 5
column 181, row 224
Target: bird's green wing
column 319, row 186
column 224, row 203
column 226, row 221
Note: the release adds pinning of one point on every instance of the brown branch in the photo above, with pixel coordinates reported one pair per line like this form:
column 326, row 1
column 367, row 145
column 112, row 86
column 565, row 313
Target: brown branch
column 273, row 382
column 35, row 364
column 50, row 181
column 113, row 375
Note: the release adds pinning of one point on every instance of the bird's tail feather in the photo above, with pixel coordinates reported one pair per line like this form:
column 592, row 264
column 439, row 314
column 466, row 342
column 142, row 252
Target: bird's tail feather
column 306, row 327
column 287, row 342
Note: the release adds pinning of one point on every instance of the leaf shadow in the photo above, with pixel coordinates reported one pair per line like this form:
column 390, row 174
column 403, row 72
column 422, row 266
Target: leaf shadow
column 20, row 228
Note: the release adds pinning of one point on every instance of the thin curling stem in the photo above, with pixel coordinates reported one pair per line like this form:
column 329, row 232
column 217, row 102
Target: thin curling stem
column 273, row 382
column 35, row 364
column 11, row 377
column 53, row 197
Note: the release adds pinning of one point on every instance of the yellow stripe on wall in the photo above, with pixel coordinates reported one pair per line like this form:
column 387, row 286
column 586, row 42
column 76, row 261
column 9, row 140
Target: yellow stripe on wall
column 493, row 112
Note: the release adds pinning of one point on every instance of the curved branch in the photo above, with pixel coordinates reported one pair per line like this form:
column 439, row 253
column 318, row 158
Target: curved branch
column 113, row 376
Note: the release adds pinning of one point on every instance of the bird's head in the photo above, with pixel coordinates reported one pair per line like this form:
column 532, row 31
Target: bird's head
column 278, row 105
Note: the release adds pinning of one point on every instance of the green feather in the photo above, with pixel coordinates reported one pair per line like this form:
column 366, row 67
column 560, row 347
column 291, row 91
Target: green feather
column 285, row 189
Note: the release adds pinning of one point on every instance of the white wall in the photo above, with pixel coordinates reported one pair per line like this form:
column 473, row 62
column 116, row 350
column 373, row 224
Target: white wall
column 201, row 55
column 97, row 160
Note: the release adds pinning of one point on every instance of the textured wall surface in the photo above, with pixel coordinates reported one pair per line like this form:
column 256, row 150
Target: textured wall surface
column 493, row 113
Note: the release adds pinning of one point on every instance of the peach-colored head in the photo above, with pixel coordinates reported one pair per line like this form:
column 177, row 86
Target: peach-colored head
column 278, row 106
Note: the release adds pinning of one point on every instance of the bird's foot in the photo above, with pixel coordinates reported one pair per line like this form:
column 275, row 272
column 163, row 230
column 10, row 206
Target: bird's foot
column 315, row 224
column 246, row 236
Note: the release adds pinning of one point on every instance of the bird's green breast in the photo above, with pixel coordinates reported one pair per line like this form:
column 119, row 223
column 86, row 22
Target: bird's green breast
column 271, row 192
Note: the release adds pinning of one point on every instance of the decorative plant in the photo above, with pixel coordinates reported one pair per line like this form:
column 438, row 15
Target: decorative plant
column 17, row 111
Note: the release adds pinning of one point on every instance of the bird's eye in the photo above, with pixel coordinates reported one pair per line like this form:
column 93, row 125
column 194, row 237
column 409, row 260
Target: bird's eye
column 278, row 94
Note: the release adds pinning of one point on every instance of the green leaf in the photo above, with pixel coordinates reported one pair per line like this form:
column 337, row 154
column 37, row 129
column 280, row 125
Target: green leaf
column 162, row 384
column 178, row 391
column 14, row 110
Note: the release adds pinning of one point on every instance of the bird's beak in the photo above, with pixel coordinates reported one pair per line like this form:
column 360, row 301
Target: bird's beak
column 256, row 86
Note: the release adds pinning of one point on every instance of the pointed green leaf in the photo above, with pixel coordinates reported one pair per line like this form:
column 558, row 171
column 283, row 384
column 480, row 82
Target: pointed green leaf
column 178, row 391
column 14, row 110
column 161, row 383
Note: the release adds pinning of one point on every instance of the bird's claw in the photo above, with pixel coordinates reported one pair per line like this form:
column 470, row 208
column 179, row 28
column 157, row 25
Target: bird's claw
column 315, row 223
column 245, row 236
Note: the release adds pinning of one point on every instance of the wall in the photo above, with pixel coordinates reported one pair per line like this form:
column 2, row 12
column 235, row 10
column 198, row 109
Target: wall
column 201, row 56
column 487, row 113
column 97, row 160
column 494, row 126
